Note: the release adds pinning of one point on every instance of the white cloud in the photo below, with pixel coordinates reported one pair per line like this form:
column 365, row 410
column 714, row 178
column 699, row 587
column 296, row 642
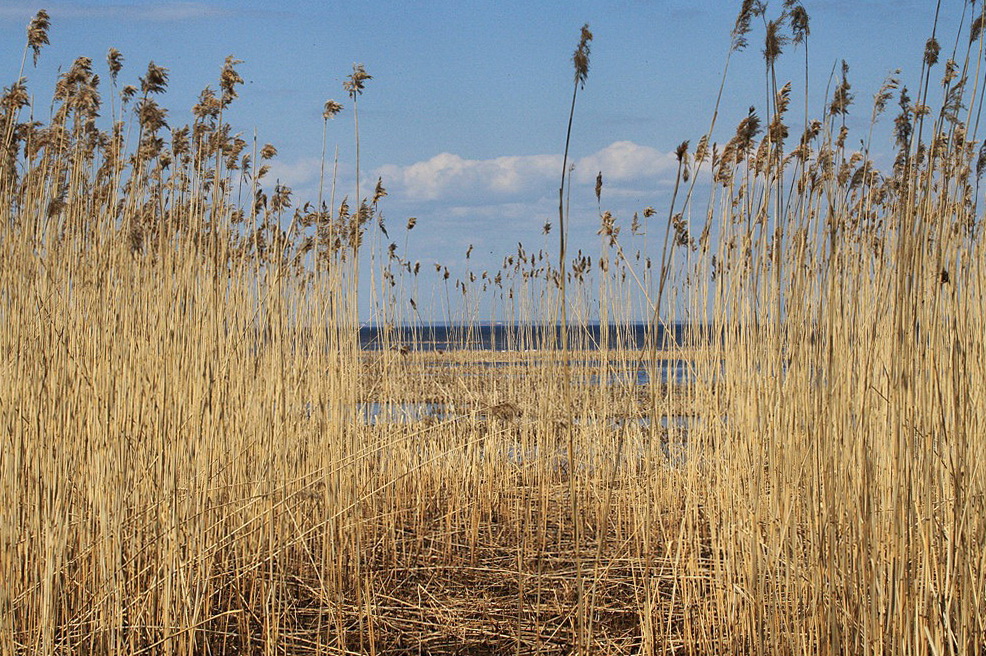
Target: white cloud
column 452, row 178
column 300, row 173
column 449, row 176
column 510, row 190
column 625, row 161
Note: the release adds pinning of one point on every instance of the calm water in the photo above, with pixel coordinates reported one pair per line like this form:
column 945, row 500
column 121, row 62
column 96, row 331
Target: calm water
column 674, row 446
column 526, row 337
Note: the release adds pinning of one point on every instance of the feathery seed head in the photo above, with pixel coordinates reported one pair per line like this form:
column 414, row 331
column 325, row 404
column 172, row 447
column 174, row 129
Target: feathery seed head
column 951, row 72
column 179, row 141
column 151, row 115
column 356, row 81
column 747, row 131
column 580, row 58
column 331, row 109
column 774, row 41
column 702, row 150
column 15, row 97
column 379, row 192
column 977, row 26
column 842, row 98
column 799, row 24
column 114, row 60
column 155, row 81
column 281, row 200
column 229, row 78
column 681, row 151
column 885, row 93
column 778, row 130
column 79, row 73
column 931, row 50
column 37, row 33
column 811, row 132
column 208, row 105
column 748, row 11
column 608, row 228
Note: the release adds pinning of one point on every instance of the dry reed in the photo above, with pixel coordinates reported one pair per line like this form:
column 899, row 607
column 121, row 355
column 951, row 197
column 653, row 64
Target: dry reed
column 197, row 457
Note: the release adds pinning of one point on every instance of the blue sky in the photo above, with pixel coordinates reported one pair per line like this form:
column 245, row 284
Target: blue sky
column 465, row 115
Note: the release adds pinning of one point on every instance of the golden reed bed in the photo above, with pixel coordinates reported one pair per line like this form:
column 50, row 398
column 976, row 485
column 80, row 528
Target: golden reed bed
column 170, row 483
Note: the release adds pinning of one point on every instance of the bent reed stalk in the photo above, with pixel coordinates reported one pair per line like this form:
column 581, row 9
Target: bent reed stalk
column 197, row 456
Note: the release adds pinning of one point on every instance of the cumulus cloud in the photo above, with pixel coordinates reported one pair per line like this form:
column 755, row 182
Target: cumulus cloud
column 447, row 176
column 452, row 178
column 300, row 173
column 625, row 161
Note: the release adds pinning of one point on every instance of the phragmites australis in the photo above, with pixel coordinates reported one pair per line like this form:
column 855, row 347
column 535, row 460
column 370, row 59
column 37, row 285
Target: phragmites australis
column 330, row 109
column 681, row 153
column 886, row 93
column 774, row 41
column 746, row 133
column 155, row 81
column 151, row 115
column 608, row 228
column 580, row 58
column 228, row 79
column 580, row 61
column 903, row 127
column 800, row 27
column 37, row 33
column 16, row 96
column 130, row 250
column 842, row 98
column 379, row 191
column 931, row 50
column 748, row 11
column 976, row 30
column 777, row 131
column 114, row 60
column 356, row 81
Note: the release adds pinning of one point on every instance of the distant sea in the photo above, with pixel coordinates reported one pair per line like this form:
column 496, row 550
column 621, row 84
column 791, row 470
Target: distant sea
column 523, row 337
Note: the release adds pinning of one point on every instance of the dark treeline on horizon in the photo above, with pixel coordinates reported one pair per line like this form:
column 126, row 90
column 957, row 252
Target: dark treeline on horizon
column 527, row 336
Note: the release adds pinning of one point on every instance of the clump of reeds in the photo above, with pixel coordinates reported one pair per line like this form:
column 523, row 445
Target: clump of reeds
column 196, row 456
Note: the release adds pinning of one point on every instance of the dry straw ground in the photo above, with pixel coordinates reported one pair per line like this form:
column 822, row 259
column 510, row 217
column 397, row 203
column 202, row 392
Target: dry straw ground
column 186, row 460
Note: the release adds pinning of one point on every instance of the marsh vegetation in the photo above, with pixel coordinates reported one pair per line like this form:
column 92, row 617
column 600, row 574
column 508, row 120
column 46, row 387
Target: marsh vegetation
column 186, row 459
